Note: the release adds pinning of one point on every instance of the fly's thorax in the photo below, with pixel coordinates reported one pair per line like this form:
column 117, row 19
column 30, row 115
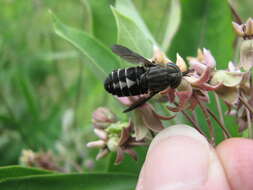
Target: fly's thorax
column 175, row 75
column 160, row 78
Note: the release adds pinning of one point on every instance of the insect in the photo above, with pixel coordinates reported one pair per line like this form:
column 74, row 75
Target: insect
column 148, row 79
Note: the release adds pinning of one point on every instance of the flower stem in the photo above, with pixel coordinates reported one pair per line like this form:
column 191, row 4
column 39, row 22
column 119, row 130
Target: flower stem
column 249, row 124
column 225, row 131
column 195, row 117
column 208, row 120
column 193, row 122
column 218, row 105
column 246, row 104
column 249, row 111
column 237, row 18
column 136, row 143
column 195, row 125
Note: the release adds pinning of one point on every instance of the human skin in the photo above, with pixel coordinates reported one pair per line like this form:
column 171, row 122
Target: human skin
column 179, row 158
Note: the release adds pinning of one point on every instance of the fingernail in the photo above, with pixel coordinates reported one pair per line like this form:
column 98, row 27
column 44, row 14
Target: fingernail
column 178, row 158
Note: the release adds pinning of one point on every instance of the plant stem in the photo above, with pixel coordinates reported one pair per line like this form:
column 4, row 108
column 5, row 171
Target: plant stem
column 217, row 101
column 138, row 144
column 208, row 120
column 246, row 104
column 249, row 124
column 225, row 131
column 195, row 125
column 249, row 111
column 195, row 117
column 152, row 133
column 238, row 19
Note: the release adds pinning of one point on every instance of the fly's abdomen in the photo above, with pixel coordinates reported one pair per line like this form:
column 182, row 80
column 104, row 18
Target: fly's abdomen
column 126, row 82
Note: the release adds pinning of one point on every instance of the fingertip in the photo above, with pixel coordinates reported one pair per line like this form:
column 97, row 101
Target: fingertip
column 236, row 155
column 178, row 158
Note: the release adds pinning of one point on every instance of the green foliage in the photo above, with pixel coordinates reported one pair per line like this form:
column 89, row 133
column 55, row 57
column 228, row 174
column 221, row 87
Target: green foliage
column 205, row 24
column 129, row 35
column 49, row 90
column 12, row 172
column 126, row 8
column 22, row 178
column 96, row 52
column 104, row 31
column 172, row 25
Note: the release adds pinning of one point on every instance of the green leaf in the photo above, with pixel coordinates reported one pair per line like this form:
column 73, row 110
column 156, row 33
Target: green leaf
column 205, row 24
column 103, row 61
column 18, row 171
column 72, row 182
column 174, row 18
column 127, row 8
column 129, row 165
column 103, row 22
column 131, row 36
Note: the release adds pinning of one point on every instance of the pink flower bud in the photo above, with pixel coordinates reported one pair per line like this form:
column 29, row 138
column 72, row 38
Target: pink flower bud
column 103, row 117
column 96, row 144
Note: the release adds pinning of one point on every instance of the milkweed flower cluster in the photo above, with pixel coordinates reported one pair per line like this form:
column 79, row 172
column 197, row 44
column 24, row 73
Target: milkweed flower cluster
column 232, row 85
column 114, row 135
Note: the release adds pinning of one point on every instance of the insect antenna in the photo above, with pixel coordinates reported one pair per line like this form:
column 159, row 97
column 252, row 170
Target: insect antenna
column 187, row 72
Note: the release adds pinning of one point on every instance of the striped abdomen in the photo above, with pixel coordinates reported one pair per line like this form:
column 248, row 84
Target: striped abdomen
column 126, row 82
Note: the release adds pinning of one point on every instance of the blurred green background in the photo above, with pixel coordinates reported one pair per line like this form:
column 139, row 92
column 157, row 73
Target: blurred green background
column 47, row 92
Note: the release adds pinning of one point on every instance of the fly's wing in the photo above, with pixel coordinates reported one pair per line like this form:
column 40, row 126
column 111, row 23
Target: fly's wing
column 139, row 103
column 130, row 56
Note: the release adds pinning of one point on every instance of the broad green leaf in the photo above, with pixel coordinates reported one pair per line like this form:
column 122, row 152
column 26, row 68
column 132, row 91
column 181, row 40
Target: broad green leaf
column 129, row 165
column 103, row 61
column 127, row 8
column 18, row 171
column 72, row 182
column 207, row 24
column 57, row 55
column 103, row 22
column 88, row 12
column 131, row 36
column 174, row 18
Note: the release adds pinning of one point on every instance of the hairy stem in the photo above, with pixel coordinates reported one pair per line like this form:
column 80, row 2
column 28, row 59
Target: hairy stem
column 249, row 111
column 195, row 117
column 225, row 131
column 208, row 120
column 193, row 122
column 218, row 105
column 217, row 101
column 246, row 104
column 249, row 124
column 235, row 14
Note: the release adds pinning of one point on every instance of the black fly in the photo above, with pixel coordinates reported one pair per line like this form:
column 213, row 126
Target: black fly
column 147, row 79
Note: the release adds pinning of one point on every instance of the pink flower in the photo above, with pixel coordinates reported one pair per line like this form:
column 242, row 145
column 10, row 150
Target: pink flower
column 115, row 137
column 103, row 117
column 195, row 84
column 145, row 118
